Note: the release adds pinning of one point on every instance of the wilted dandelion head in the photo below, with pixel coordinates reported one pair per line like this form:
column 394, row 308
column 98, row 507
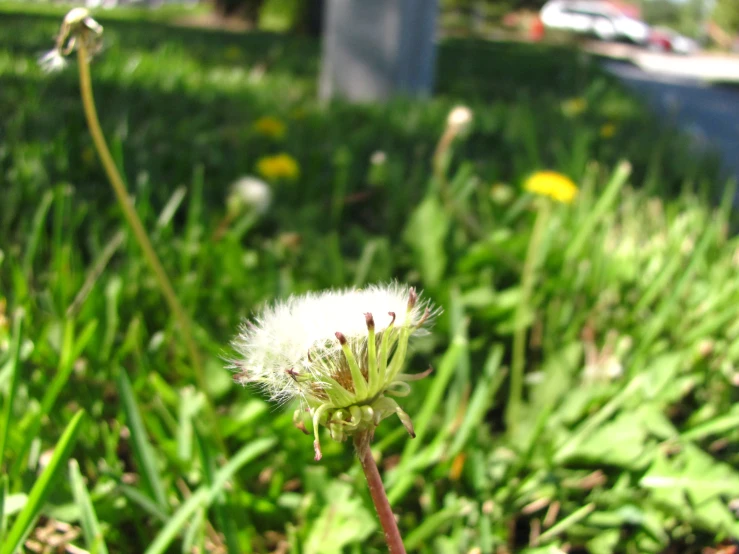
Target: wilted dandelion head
column 78, row 30
column 270, row 127
column 280, row 166
column 249, row 193
column 552, row 184
column 340, row 352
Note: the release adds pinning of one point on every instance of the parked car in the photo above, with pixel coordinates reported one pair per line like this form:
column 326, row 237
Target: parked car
column 667, row 40
column 594, row 17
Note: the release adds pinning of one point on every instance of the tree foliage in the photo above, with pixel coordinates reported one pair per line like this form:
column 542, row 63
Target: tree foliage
column 726, row 15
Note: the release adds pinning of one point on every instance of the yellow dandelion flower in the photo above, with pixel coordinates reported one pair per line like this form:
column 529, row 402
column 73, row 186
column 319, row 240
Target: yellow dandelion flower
column 232, row 53
column 552, row 184
column 607, row 130
column 574, row 106
column 299, row 113
column 88, row 156
column 270, row 127
column 280, row 166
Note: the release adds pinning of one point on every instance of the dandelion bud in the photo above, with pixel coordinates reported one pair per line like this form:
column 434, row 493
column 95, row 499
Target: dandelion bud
column 501, row 193
column 331, row 352
column 378, row 169
column 378, row 158
column 459, row 118
column 248, row 194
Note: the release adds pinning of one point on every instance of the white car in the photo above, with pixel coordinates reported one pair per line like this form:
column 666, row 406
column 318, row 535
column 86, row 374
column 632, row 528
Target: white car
column 597, row 17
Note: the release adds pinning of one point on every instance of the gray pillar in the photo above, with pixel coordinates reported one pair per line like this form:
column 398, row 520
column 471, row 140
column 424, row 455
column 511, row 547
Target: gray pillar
column 375, row 48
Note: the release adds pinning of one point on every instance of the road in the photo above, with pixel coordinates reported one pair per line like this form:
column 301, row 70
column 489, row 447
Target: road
column 710, row 114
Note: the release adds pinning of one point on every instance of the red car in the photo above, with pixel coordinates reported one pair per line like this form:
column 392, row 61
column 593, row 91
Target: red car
column 666, row 40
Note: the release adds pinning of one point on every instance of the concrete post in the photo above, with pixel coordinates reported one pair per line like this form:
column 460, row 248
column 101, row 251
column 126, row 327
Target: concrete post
column 373, row 49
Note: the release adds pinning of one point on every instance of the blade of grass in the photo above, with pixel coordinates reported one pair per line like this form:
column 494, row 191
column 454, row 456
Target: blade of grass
column 70, row 350
column 206, row 494
column 448, row 364
column 717, row 425
column 666, row 308
column 726, row 207
column 433, row 399
column 95, row 272
column 88, row 518
column 194, row 534
column 143, row 502
column 365, row 262
column 42, row 487
column 566, row 523
column 171, row 207
column 36, row 227
column 482, row 398
column 225, row 523
column 142, row 449
column 597, row 419
column 3, row 496
column 8, row 405
column 430, row 527
column 606, row 200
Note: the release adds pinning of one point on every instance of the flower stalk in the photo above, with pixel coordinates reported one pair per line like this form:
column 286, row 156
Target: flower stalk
column 133, row 220
column 549, row 187
column 458, row 123
column 377, row 492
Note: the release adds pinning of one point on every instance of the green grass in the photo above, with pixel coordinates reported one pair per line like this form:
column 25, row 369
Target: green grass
column 637, row 274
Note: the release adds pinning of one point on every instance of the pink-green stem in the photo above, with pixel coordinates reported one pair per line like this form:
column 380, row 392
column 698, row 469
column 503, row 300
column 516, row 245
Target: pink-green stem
column 377, row 492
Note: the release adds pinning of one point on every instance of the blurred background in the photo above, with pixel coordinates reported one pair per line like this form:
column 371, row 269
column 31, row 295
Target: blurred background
column 277, row 147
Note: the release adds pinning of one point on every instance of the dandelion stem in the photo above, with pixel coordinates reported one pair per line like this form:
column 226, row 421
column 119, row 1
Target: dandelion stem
column 528, row 278
column 139, row 232
column 440, row 163
column 377, row 491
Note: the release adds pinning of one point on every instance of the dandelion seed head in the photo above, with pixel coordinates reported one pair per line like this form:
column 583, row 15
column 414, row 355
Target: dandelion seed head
column 460, row 118
column 338, row 351
column 52, row 62
column 78, row 30
column 378, row 157
column 250, row 193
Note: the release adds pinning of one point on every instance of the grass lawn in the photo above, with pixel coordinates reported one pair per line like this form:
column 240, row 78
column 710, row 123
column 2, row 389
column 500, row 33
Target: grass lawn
column 628, row 439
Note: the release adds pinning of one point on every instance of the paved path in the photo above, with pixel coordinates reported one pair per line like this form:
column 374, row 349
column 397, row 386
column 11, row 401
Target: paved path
column 709, row 66
column 710, row 114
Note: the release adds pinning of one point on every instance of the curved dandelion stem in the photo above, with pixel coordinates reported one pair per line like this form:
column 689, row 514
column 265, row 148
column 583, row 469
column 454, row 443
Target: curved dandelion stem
column 377, row 492
column 133, row 220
